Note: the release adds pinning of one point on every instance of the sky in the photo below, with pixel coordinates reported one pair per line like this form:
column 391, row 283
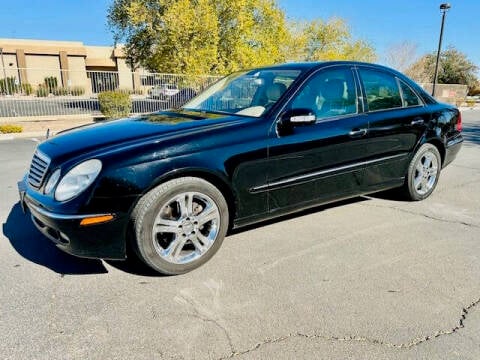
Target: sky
column 382, row 23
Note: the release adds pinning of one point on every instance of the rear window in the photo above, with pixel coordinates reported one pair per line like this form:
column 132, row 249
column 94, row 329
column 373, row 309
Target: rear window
column 381, row 90
column 408, row 96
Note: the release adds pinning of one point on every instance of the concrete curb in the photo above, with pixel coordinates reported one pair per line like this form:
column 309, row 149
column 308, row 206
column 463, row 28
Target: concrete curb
column 23, row 135
column 4, row 137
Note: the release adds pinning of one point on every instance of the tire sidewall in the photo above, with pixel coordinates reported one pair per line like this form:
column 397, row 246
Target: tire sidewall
column 414, row 195
column 154, row 201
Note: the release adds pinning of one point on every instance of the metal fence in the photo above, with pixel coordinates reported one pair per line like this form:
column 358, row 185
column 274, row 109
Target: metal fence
column 47, row 92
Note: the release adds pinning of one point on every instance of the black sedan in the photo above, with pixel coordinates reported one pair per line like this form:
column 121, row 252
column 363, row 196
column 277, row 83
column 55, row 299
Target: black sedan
column 255, row 145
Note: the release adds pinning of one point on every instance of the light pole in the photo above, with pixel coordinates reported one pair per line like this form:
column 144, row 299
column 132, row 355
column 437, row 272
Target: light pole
column 443, row 8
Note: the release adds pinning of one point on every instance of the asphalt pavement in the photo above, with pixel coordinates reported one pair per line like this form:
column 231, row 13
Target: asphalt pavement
column 370, row 278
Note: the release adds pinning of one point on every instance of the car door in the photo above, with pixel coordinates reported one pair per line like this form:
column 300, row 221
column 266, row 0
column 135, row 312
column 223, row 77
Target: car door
column 323, row 160
column 397, row 119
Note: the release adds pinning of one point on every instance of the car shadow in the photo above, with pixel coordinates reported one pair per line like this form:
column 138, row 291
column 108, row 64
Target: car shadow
column 299, row 214
column 471, row 134
column 35, row 247
column 132, row 264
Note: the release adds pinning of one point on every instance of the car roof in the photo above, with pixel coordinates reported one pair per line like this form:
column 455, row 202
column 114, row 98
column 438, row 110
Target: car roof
column 318, row 64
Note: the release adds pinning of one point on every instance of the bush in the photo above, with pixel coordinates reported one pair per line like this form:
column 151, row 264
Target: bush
column 474, row 92
column 59, row 91
column 8, row 129
column 51, row 83
column 27, row 89
column 77, row 90
column 8, row 86
column 42, row 91
column 470, row 102
column 114, row 104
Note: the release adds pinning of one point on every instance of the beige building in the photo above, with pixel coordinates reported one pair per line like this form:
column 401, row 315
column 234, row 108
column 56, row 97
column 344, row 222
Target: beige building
column 71, row 62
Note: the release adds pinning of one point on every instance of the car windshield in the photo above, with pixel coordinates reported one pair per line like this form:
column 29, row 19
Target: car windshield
column 249, row 93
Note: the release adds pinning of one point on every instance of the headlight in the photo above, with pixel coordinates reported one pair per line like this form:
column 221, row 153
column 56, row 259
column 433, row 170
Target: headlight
column 78, row 179
column 52, row 182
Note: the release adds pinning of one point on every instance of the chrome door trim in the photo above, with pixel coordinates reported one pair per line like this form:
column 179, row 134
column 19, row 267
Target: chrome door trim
column 312, row 176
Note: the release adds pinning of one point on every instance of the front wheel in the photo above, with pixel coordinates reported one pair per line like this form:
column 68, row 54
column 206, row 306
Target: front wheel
column 180, row 225
column 423, row 173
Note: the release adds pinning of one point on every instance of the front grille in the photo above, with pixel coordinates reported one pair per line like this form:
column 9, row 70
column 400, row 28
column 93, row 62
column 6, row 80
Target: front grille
column 38, row 169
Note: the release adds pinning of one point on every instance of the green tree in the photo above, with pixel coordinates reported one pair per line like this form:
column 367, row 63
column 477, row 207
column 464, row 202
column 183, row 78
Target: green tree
column 328, row 40
column 454, row 68
column 199, row 36
column 221, row 36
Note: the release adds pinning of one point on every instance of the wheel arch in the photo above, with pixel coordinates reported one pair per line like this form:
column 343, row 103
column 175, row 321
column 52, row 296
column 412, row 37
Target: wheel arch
column 216, row 179
column 440, row 147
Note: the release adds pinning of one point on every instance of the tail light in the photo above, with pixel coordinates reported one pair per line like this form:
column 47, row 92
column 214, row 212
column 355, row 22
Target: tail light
column 459, row 121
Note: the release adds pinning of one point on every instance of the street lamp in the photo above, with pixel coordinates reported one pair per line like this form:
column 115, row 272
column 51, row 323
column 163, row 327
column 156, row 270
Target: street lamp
column 443, row 8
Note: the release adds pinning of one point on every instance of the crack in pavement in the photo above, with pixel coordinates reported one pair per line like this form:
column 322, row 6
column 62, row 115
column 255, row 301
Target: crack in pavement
column 197, row 314
column 431, row 217
column 404, row 346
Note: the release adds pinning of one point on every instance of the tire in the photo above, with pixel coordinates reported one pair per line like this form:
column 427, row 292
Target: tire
column 179, row 225
column 423, row 173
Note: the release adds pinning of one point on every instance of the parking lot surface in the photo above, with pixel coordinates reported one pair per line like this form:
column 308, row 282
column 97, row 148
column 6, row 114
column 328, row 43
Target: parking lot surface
column 370, row 278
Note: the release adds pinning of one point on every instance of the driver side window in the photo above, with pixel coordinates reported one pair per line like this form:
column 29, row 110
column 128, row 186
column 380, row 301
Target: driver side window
column 328, row 93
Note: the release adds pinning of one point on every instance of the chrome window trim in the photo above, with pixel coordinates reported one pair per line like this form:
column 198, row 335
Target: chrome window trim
column 300, row 87
column 400, row 82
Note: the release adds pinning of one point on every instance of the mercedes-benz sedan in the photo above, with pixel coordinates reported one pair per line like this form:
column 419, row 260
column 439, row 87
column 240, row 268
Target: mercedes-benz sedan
column 255, row 145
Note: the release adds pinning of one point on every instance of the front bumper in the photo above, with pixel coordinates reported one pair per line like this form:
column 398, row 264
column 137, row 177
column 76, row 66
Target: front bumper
column 105, row 240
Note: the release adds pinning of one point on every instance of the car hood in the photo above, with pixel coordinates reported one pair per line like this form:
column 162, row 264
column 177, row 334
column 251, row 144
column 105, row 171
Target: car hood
column 109, row 134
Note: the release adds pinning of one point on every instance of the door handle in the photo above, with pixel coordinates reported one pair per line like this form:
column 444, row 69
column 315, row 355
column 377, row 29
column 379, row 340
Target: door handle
column 358, row 132
column 417, row 121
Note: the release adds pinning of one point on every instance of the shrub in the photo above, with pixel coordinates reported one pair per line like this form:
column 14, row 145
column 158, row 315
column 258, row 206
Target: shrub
column 8, row 86
column 474, row 92
column 27, row 89
column 8, row 129
column 114, row 104
column 77, row 90
column 60, row 91
column 470, row 102
column 42, row 91
column 51, row 83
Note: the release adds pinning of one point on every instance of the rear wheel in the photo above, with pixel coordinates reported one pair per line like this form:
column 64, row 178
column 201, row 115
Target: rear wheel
column 180, row 225
column 423, row 173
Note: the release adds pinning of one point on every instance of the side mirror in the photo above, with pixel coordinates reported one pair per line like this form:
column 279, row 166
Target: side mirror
column 295, row 117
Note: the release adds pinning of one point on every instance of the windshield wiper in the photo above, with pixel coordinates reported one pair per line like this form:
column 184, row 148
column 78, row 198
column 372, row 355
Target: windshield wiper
column 205, row 111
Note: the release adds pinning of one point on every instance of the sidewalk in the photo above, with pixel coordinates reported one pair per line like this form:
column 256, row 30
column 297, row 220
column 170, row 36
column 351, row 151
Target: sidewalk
column 39, row 127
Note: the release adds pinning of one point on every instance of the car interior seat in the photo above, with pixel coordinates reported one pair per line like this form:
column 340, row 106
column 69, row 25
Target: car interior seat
column 333, row 93
column 274, row 92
